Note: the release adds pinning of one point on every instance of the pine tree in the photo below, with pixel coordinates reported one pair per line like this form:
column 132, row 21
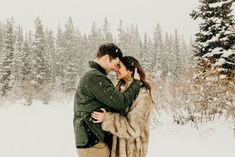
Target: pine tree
column 6, row 67
column 186, row 55
column 83, row 53
column 177, row 55
column 158, row 48
column 133, row 41
column 30, row 49
column 146, row 54
column 94, row 39
column 216, row 36
column 166, row 58
column 17, row 64
column 59, row 55
column 107, row 35
column 122, row 38
column 40, row 68
column 50, row 53
column 26, row 72
column 25, row 60
column 70, row 58
column 137, row 42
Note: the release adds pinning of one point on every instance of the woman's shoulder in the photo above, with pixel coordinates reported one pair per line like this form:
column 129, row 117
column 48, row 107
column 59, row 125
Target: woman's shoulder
column 143, row 102
column 143, row 95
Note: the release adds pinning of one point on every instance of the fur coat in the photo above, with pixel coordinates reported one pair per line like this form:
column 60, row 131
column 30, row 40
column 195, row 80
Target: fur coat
column 131, row 131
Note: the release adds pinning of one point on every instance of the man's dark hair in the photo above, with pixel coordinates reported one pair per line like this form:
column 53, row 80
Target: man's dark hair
column 109, row 49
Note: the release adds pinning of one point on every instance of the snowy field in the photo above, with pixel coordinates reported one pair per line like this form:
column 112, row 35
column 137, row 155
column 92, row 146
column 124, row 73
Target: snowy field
column 46, row 131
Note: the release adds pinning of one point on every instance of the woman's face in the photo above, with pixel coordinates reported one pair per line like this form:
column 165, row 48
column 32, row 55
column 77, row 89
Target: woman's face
column 122, row 72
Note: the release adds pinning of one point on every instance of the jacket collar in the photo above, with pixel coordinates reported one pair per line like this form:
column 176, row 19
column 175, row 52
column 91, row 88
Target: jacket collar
column 96, row 66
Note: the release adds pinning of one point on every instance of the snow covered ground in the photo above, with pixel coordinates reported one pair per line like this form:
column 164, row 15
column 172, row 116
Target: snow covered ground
column 46, row 131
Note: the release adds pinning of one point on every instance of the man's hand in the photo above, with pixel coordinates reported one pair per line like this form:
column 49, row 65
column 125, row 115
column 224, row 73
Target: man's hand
column 136, row 75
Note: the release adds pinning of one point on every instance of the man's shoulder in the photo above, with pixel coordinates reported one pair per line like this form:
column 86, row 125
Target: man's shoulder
column 92, row 74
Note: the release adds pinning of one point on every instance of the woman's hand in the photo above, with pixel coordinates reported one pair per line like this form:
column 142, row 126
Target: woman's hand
column 99, row 116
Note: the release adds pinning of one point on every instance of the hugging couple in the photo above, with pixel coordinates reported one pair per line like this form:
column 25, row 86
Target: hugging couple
column 112, row 121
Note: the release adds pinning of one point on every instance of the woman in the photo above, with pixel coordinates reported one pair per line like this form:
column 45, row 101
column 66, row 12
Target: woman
column 130, row 129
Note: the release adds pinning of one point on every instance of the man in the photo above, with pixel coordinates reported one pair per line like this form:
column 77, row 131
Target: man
column 95, row 91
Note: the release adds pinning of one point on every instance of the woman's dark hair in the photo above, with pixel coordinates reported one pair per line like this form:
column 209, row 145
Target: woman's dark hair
column 109, row 49
column 131, row 63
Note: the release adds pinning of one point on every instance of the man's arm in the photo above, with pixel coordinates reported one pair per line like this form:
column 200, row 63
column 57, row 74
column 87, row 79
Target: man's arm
column 129, row 126
column 103, row 89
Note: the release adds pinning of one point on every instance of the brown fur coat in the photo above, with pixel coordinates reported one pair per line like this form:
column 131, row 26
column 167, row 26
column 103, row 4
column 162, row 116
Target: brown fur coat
column 131, row 132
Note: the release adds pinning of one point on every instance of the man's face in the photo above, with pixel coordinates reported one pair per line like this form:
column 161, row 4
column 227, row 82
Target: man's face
column 112, row 65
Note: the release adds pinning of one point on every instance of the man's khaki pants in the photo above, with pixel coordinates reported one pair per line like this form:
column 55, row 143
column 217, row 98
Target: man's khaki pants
column 99, row 150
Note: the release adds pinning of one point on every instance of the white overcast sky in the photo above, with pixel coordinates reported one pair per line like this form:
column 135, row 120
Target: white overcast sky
column 170, row 14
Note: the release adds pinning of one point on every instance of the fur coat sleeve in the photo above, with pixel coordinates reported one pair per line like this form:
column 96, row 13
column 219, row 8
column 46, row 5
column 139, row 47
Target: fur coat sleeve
column 131, row 125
